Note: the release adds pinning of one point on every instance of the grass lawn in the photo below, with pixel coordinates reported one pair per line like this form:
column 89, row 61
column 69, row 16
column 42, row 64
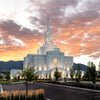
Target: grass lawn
column 8, row 81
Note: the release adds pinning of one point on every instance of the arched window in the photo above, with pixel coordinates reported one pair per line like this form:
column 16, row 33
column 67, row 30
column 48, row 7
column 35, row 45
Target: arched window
column 55, row 62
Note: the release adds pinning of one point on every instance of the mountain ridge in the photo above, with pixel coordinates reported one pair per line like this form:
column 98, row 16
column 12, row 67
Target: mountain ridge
column 7, row 66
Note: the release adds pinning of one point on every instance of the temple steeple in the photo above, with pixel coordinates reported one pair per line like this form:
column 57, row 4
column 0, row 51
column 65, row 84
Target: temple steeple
column 48, row 34
column 48, row 23
column 48, row 42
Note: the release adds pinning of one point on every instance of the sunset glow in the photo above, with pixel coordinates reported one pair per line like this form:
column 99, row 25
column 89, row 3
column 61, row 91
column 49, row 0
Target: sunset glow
column 75, row 25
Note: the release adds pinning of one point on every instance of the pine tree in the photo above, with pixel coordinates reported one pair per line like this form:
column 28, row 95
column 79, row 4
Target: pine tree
column 7, row 76
column 57, row 74
column 88, row 73
column 78, row 74
column 72, row 72
column 93, row 73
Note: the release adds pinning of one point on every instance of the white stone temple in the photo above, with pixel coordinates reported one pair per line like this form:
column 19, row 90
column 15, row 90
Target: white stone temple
column 49, row 57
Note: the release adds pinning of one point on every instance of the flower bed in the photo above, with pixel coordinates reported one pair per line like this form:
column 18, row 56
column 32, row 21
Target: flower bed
column 20, row 95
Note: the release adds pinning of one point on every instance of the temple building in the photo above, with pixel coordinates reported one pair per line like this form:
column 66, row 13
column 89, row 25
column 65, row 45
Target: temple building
column 48, row 58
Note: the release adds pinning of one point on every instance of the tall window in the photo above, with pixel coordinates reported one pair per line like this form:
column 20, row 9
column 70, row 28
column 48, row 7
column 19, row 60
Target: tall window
column 42, row 64
column 45, row 68
column 55, row 62
column 66, row 65
column 37, row 64
column 39, row 68
column 70, row 63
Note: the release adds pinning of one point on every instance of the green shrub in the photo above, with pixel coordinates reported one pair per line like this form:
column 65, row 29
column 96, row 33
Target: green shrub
column 16, row 97
column 41, row 96
column 22, row 97
column 8, row 98
column 2, row 98
column 36, row 97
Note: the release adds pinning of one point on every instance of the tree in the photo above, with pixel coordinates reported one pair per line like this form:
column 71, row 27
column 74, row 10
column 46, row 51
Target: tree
column 57, row 74
column 88, row 73
column 99, row 67
column 98, row 75
column 89, row 64
column 7, row 76
column 1, row 77
column 28, row 74
column 78, row 74
column 49, row 76
column 93, row 73
column 72, row 72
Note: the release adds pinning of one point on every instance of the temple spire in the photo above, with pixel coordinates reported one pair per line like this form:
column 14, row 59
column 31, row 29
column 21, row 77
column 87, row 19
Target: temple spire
column 48, row 34
column 48, row 23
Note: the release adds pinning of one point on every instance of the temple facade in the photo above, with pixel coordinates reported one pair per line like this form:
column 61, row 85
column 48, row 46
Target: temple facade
column 48, row 58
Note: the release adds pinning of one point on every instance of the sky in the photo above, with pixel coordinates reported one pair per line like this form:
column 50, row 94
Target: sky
column 75, row 25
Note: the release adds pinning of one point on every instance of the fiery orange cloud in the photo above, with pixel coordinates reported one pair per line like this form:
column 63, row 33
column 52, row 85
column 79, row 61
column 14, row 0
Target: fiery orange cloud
column 76, row 32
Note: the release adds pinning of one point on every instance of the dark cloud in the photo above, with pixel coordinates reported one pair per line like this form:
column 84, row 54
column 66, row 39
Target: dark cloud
column 10, row 30
column 70, row 28
column 74, row 25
